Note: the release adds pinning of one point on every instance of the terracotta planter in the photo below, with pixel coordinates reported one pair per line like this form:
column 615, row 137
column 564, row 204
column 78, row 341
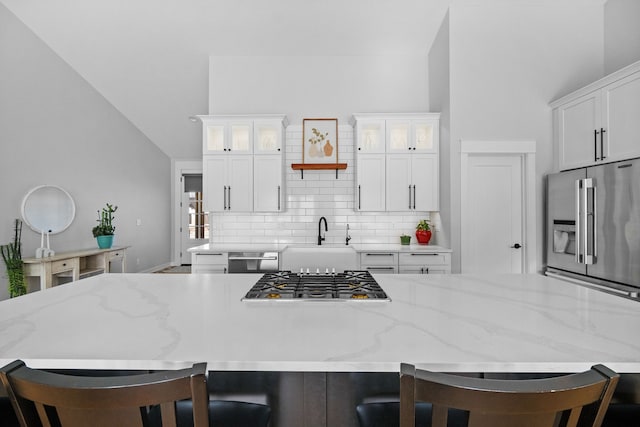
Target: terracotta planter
column 423, row 236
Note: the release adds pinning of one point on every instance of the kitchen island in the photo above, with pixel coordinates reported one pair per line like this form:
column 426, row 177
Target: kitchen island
column 452, row 323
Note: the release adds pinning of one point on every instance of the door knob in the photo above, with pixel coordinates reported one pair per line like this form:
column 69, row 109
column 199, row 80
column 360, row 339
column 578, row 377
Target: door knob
column 516, row 246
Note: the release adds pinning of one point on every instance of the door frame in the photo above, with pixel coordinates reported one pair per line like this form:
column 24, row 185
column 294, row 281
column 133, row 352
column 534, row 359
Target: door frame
column 180, row 167
column 526, row 150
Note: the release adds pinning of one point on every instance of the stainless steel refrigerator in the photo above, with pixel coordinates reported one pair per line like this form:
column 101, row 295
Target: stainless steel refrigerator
column 593, row 225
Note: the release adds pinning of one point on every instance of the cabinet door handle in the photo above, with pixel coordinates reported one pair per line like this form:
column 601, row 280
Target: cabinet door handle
column 359, row 197
column 409, row 197
column 224, row 195
column 602, row 156
column 414, row 197
column 595, row 144
column 278, row 197
column 229, row 198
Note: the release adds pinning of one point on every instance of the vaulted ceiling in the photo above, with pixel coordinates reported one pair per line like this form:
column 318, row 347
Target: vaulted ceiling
column 150, row 58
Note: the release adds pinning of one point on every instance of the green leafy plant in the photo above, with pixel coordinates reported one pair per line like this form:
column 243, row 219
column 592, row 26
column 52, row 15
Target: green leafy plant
column 12, row 256
column 423, row 225
column 317, row 136
column 105, row 219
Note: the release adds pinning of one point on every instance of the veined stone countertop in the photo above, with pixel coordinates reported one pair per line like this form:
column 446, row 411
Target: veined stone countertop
column 493, row 323
column 278, row 247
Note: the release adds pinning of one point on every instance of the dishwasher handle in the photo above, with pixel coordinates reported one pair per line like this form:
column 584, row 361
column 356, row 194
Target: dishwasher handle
column 250, row 258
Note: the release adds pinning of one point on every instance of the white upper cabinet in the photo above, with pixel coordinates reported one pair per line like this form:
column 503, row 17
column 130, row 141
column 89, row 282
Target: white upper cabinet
column 622, row 118
column 268, row 188
column 370, row 136
column 267, row 136
column 370, row 183
column 578, row 124
column 412, row 135
column 599, row 123
column 412, row 182
column 228, row 183
column 397, row 162
column 227, row 136
column 242, row 163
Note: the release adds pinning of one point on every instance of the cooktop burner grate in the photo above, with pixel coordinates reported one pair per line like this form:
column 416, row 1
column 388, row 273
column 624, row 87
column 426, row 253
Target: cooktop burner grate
column 285, row 285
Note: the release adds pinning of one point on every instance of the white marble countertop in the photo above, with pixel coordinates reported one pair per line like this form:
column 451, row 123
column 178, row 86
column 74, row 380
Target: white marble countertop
column 523, row 323
column 278, row 247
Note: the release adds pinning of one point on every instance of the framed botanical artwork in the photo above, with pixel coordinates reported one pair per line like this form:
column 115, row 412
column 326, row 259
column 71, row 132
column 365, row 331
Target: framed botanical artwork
column 320, row 141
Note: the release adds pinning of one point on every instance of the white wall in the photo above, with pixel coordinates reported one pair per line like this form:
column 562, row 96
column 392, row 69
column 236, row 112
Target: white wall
column 56, row 129
column 440, row 100
column 621, row 34
column 318, row 194
column 507, row 62
column 317, row 86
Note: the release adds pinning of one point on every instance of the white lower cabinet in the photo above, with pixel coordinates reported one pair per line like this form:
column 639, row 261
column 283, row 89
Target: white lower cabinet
column 379, row 262
column 209, row 262
column 424, row 263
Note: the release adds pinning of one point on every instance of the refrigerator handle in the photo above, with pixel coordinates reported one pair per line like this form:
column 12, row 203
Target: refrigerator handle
column 588, row 231
column 578, row 194
column 594, row 216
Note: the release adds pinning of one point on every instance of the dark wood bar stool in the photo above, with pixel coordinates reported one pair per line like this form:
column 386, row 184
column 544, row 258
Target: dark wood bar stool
column 46, row 398
column 570, row 400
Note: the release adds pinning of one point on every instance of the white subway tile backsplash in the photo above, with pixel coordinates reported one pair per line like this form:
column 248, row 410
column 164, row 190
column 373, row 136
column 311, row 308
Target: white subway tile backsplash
column 318, row 194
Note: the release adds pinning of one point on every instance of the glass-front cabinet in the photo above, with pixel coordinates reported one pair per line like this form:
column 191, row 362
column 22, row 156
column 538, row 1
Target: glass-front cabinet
column 267, row 136
column 412, row 135
column 370, row 135
column 223, row 136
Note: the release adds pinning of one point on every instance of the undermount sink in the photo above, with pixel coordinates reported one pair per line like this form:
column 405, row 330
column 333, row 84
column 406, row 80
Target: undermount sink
column 319, row 258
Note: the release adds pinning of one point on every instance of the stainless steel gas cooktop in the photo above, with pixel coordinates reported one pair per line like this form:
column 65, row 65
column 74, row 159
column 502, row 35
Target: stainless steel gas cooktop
column 346, row 286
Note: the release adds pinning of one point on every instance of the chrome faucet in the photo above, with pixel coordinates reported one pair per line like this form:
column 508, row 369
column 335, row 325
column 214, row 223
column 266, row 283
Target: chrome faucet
column 320, row 238
column 348, row 237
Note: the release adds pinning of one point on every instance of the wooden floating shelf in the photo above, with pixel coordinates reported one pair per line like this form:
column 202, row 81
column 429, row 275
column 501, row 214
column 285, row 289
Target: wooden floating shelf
column 318, row 166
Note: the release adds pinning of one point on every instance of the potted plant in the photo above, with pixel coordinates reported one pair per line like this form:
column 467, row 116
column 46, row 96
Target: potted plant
column 12, row 256
column 105, row 229
column 423, row 232
column 405, row 239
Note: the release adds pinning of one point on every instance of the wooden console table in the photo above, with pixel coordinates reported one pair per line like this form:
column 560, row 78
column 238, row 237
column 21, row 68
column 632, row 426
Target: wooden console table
column 75, row 265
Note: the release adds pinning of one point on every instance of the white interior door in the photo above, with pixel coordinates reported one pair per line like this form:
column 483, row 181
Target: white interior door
column 492, row 215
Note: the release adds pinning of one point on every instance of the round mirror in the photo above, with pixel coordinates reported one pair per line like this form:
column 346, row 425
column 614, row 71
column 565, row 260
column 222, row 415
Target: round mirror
column 48, row 209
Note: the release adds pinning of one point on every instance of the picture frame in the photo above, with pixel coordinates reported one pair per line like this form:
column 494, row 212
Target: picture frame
column 320, row 141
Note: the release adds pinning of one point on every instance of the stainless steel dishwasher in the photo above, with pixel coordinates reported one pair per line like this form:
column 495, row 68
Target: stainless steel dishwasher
column 253, row 262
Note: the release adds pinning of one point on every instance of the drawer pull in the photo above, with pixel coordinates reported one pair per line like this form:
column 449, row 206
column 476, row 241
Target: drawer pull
column 380, row 254
column 425, row 254
column 380, row 268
